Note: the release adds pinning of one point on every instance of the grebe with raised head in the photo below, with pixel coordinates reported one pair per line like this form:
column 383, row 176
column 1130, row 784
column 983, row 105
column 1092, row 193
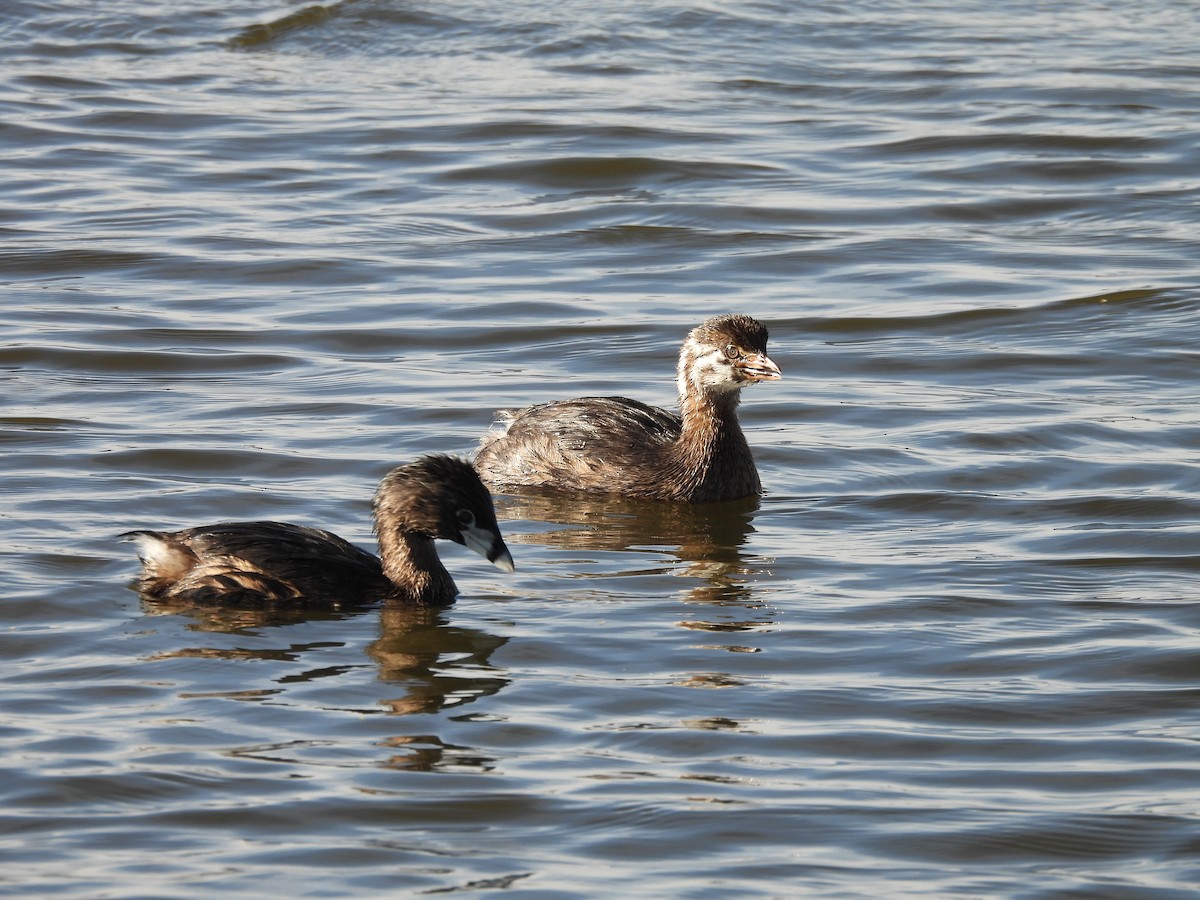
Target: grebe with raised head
column 613, row 445
column 274, row 562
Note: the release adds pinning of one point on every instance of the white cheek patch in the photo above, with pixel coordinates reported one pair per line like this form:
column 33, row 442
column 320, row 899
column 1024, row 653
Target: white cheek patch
column 713, row 372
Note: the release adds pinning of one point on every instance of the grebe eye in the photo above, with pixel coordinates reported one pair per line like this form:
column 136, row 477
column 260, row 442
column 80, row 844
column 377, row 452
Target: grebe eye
column 466, row 518
column 731, row 351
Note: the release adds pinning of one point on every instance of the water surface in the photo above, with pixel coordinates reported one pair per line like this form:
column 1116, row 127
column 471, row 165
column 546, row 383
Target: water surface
column 253, row 258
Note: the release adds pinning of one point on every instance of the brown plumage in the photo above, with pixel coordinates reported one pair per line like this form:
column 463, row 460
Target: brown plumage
column 254, row 563
column 613, row 445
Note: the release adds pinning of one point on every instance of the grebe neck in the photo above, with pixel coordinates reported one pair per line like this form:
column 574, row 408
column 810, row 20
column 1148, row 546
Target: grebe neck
column 411, row 563
column 711, row 454
column 709, row 413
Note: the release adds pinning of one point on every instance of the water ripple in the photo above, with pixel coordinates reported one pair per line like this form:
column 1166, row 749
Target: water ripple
column 254, row 258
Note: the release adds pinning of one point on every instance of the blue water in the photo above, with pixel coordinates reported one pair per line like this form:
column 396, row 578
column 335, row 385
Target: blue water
column 253, row 258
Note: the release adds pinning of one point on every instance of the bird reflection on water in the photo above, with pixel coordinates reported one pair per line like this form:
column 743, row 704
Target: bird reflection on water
column 435, row 664
column 703, row 542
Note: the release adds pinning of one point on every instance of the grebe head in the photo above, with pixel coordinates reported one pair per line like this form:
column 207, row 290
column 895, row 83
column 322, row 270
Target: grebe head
column 442, row 497
column 724, row 354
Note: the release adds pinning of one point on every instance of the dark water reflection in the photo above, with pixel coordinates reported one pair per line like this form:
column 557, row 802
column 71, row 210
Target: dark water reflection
column 440, row 665
column 707, row 537
column 251, row 259
column 704, row 544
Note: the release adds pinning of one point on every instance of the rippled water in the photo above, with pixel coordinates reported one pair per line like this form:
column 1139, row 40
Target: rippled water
column 253, row 258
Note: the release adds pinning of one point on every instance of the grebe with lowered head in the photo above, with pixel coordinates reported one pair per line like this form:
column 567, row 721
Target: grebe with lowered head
column 613, row 445
column 242, row 563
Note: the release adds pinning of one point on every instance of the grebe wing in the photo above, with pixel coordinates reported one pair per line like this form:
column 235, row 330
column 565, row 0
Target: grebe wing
column 263, row 561
column 265, row 544
column 590, row 444
column 597, row 422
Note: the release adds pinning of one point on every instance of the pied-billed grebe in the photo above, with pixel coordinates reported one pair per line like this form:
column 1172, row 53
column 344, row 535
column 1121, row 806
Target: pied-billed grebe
column 612, row 445
column 273, row 562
